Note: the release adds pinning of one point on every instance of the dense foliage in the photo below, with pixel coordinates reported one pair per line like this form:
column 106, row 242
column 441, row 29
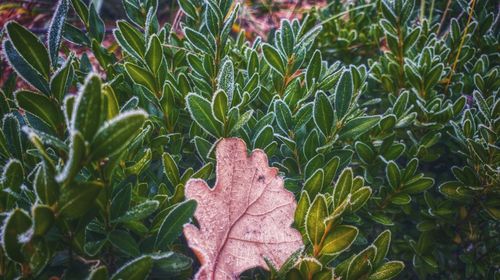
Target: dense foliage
column 383, row 118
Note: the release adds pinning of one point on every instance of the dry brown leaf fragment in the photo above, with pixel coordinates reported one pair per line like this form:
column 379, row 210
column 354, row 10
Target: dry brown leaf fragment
column 245, row 218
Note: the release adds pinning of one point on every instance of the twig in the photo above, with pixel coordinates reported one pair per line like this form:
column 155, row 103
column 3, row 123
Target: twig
column 462, row 41
column 347, row 11
column 444, row 16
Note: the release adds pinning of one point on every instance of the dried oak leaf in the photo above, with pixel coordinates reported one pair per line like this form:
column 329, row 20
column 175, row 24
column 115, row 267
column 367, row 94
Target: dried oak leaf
column 245, row 218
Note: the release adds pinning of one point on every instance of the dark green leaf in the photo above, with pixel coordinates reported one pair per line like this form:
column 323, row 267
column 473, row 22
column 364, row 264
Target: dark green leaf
column 154, row 54
column 138, row 269
column 201, row 113
column 358, row 126
column 315, row 225
column 16, row 224
column 41, row 106
column 78, row 198
column 29, row 47
column 313, row 69
column 273, row 58
column 56, row 30
column 343, row 94
column 323, row 113
column 141, row 76
column 87, row 111
column 139, row 211
column 24, row 69
column 76, row 156
column 96, row 24
column 117, row 133
column 170, row 169
column 124, row 242
column 387, row 271
column 343, row 187
column 13, row 175
column 173, row 223
column 339, row 240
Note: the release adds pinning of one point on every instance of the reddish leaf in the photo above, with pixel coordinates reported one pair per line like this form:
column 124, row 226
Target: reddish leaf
column 245, row 218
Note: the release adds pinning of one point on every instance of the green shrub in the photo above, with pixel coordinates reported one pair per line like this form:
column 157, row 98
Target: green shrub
column 393, row 157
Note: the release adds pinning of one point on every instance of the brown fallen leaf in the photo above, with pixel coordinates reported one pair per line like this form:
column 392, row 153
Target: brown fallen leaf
column 245, row 218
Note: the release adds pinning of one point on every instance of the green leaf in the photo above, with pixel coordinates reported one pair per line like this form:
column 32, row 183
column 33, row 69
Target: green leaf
column 24, row 69
column 264, row 137
column 87, row 111
column 173, row 223
column 225, row 80
column 40, row 106
column 411, row 38
column 133, row 38
column 323, row 114
column 382, row 219
column 170, row 264
column 111, row 101
column 13, row 175
column 330, row 169
column 287, row 37
column 204, row 172
column 75, row 35
column 117, row 133
column 124, row 242
column 343, row 94
column 16, row 224
column 242, row 120
column 29, row 47
column 154, row 54
column 56, row 30
column 96, row 25
column 220, row 105
column 301, row 210
column 393, row 174
column 361, row 265
column 141, row 76
column 313, row 71
column 141, row 164
column 401, row 199
column 365, row 152
column 45, row 186
column 273, row 58
column 12, row 132
column 339, row 239
column 198, row 41
column 315, row 225
column 78, row 198
column 61, row 80
column 360, row 197
column 382, row 243
column 387, row 271
column 76, row 156
column 188, row 8
column 43, row 218
column 283, row 116
column 137, row 269
column 81, row 10
column 201, row 112
column 121, row 201
column 139, row 211
column 170, row 169
column 419, row 185
column 314, row 183
column 342, row 187
column 358, row 126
